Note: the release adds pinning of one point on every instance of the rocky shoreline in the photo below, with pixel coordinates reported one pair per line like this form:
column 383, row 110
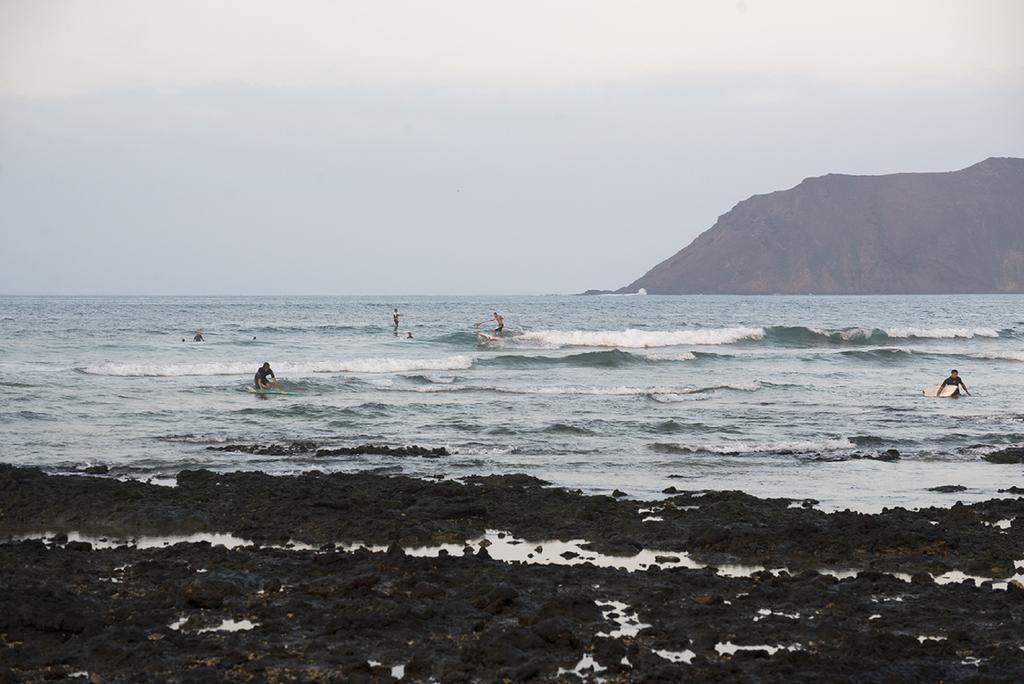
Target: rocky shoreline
column 737, row 587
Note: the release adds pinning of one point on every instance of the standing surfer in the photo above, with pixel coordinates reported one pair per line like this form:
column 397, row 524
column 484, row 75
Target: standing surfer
column 395, row 317
column 500, row 320
column 955, row 380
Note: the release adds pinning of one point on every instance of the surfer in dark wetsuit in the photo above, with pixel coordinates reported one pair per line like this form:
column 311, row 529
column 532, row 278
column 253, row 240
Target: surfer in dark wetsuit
column 954, row 379
column 198, row 337
column 265, row 378
column 395, row 317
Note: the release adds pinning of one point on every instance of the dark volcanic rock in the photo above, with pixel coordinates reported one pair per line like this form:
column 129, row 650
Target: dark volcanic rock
column 380, row 450
column 863, row 234
column 129, row 614
column 1008, row 455
column 948, row 488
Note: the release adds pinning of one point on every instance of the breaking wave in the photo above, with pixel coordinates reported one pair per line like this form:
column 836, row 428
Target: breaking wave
column 1000, row 355
column 800, row 335
column 370, row 365
column 638, row 339
column 737, row 448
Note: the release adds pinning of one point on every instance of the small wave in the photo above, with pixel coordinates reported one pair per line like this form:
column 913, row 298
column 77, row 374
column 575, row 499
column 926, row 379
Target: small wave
column 805, row 336
column 194, row 439
column 459, row 339
column 613, row 358
column 1000, row 356
column 670, row 448
column 941, row 333
column 33, row 415
column 564, row 429
column 738, row 448
column 633, row 338
column 887, row 354
column 370, row 365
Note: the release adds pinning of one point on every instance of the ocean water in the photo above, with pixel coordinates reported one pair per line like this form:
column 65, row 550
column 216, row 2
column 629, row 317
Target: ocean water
column 770, row 395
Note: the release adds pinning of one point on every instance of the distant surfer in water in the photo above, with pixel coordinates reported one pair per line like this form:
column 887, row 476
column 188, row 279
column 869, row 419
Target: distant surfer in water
column 198, row 337
column 395, row 317
column 955, row 380
column 265, row 378
column 500, row 320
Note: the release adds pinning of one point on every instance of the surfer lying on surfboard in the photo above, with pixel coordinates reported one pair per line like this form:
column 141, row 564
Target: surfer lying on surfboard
column 955, row 380
column 265, row 378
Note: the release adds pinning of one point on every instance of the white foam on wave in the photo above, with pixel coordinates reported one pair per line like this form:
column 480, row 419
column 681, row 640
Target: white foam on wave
column 838, row 444
column 582, row 390
column 368, row 365
column 638, row 339
column 941, row 333
column 1000, row 356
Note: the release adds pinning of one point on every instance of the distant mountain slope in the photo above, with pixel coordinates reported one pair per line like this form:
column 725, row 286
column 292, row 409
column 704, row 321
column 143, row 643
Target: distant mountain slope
column 956, row 232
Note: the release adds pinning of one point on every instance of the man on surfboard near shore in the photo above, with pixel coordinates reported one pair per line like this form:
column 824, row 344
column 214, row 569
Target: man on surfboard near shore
column 265, row 378
column 955, row 380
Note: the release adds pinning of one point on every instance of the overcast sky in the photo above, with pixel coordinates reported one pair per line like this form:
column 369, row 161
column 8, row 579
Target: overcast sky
column 462, row 147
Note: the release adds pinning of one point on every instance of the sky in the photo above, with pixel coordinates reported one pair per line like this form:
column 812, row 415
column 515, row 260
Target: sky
column 458, row 146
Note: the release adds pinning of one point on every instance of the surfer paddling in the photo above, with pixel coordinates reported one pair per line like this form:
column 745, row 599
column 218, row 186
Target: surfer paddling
column 265, row 378
column 955, row 380
column 198, row 337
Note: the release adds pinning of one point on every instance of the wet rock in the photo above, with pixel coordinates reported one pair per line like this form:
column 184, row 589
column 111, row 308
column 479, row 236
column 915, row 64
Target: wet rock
column 1008, row 455
column 922, row 578
column 267, row 449
column 557, row 630
column 381, row 450
column 495, row 600
column 670, row 490
column 947, row 488
column 619, row 494
column 1012, row 490
column 211, row 590
column 96, row 470
column 609, row 653
column 960, row 516
column 707, row 599
column 666, row 559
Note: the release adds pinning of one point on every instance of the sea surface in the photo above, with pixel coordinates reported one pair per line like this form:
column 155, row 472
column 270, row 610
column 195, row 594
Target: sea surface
column 776, row 396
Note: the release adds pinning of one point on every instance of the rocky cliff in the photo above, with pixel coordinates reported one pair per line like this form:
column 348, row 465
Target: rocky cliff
column 955, row 232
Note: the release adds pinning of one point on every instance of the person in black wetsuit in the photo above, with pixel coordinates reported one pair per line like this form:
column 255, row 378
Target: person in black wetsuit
column 265, row 378
column 198, row 337
column 954, row 379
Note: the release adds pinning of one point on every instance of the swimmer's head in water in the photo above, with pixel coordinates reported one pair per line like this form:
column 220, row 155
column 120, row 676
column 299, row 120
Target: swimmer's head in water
column 954, row 372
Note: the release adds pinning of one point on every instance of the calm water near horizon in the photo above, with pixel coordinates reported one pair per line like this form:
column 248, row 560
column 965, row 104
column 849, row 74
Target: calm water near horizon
column 769, row 395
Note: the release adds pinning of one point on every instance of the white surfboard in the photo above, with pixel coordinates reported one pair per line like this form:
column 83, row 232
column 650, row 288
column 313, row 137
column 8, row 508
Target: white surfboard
column 940, row 391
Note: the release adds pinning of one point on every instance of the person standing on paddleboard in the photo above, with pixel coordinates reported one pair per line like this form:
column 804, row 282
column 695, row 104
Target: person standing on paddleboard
column 395, row 316
column 954, row 379
column 265, row 378
column 500, row 320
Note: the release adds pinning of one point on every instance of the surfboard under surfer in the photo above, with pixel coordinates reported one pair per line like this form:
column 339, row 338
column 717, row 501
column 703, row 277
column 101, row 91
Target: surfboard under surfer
column 955, row 380
column 265, row 378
